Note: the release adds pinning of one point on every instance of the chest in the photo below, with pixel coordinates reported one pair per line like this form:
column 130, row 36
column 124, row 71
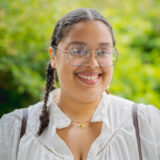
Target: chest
column 79, row 140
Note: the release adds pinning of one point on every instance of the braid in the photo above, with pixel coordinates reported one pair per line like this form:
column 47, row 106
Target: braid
column 44, row 117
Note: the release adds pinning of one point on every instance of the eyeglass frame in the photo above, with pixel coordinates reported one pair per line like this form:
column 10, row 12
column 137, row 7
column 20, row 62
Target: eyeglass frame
column 90, row 52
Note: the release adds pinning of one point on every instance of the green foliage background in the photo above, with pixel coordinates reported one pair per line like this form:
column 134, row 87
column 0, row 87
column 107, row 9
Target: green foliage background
column 26, row 27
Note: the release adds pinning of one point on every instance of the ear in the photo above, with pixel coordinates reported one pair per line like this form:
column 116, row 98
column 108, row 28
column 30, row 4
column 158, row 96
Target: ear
column 52, row 57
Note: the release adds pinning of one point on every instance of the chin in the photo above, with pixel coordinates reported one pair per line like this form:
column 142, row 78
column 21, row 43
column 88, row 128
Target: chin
column 89, row 94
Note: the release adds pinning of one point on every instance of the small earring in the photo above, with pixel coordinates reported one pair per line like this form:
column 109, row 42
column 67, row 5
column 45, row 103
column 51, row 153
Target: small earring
column 107, row 90
column 50, row 50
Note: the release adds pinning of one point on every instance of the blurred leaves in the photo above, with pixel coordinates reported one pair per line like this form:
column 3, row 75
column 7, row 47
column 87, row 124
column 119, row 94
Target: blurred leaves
column 25, row 31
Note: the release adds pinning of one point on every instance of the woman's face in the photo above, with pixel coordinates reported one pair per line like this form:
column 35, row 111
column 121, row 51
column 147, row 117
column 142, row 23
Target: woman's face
column 83, row 83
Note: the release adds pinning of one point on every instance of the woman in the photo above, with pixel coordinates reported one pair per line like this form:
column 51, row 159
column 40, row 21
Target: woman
column 80, row 121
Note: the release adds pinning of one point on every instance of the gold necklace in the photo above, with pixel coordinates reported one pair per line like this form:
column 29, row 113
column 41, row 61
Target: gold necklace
column 81, row 124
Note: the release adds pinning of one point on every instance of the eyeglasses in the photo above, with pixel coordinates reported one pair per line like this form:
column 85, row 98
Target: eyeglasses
column 79, row 54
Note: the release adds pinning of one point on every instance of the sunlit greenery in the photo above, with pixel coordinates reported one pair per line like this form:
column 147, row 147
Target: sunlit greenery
column 25, row 31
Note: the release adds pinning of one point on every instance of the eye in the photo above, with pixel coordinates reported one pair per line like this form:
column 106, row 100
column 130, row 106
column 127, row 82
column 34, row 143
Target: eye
column 77, row 52
column 104, row 52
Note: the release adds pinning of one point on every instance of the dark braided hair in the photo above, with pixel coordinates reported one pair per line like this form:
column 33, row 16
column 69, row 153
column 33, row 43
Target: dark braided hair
column 61, row 29
column 44, row 117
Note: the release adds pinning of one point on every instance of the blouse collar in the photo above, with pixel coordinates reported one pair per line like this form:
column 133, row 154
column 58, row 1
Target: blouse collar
column 60, row 120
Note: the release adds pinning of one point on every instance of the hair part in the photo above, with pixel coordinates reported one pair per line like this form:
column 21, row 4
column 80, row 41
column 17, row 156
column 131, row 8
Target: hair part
column 61, row 29
column 64, row 25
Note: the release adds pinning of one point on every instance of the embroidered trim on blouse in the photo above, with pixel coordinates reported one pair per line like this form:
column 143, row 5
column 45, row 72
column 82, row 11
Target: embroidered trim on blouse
column 110, row 139
column 50, row 150
column 46, row 147
column 108, row 142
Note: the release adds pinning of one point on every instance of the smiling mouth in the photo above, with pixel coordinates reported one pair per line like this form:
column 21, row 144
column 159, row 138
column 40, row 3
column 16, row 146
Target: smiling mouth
column 89, row 78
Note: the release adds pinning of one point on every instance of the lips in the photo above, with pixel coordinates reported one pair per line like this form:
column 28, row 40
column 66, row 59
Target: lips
column 89, row 77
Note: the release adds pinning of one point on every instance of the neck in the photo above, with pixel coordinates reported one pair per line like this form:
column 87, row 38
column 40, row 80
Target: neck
column 77, row 110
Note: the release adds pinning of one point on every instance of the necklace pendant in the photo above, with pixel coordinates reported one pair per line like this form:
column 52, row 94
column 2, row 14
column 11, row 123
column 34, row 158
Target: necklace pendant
column 81, row 125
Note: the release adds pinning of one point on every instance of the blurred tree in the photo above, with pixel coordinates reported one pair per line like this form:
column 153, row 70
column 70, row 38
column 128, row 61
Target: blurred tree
column 25, row 31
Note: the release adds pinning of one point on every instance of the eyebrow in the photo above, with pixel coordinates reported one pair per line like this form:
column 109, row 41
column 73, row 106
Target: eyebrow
column 76, row 42
column 83, row 43
column 105, row 44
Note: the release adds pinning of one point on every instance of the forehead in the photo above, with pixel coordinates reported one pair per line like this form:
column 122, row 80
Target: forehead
column 91, row 33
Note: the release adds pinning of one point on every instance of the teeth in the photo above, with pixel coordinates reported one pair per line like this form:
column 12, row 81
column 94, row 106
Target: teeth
column 88, row 77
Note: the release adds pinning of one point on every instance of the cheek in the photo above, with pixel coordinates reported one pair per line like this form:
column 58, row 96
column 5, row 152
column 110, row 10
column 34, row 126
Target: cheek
column 65, row 72
column 108, row 72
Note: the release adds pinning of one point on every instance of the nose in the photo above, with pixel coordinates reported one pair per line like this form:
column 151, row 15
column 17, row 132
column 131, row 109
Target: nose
column 92, row 60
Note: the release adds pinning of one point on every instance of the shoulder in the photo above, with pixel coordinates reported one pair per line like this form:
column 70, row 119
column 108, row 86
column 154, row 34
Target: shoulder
column 12, row 121
column 119, row 105
column 12, row 118
column 17, row 114
column 122, row 108
column 10, row 127
column 123, row 103
column 149, row 113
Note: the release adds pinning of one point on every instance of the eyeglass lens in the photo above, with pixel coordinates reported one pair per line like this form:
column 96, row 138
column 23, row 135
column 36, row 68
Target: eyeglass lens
column 79, row 55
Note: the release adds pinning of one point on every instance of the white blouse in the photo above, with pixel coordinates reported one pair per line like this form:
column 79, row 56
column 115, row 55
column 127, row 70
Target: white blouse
column 117, row 140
